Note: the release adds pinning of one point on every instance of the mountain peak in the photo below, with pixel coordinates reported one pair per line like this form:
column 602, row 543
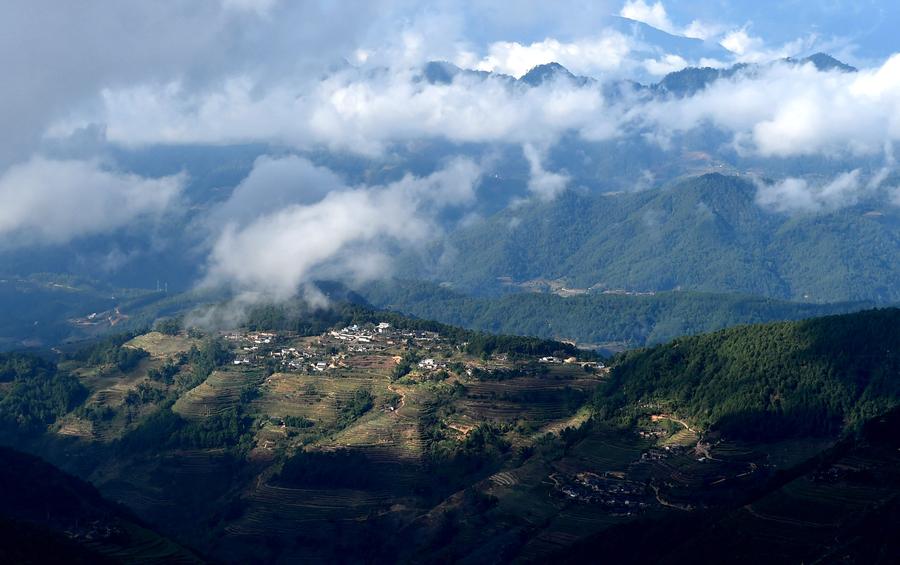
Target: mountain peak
column 825, row 62
column 551, row 71
column 690, row 80
column 440, row 72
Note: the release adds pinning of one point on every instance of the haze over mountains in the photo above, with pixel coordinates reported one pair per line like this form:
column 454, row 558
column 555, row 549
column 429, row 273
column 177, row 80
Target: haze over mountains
column 475, row 282
column 487, row 175
column 587, row 161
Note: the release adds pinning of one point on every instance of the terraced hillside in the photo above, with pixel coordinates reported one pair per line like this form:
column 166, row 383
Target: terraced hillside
column 407, row 440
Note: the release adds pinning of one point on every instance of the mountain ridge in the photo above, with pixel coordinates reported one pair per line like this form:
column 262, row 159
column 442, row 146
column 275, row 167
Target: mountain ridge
column 704, row 233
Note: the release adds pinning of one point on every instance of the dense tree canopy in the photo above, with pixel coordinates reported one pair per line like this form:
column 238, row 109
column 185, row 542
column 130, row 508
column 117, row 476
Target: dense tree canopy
column 38, row 394
column 792, row 378
column 593, row 318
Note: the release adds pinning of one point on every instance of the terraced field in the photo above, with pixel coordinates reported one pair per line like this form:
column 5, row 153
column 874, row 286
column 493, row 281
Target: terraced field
column 538, row 400
column 403, row 446
column 145, row 547
column 389, row 434
column 221, row 391
column 281, row 509
column 607, row 450
column 311, row 396
column 169, row 489
column 162, row 346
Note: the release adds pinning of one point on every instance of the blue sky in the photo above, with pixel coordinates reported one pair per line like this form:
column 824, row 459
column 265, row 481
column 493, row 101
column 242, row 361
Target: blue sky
column 864, row 30
column 869, row 25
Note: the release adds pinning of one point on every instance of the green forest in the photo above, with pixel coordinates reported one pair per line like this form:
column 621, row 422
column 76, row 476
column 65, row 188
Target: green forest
column 593, row 318
column 36, row 393
column 813, row 377
column 704, row 233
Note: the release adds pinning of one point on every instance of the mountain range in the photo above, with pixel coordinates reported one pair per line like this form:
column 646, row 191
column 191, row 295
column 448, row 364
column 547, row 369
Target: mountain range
column 706, row 233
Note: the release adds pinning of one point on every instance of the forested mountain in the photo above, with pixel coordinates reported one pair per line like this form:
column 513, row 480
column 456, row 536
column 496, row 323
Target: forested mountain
column 705, row 233
column 622, row 320
column 811, row 377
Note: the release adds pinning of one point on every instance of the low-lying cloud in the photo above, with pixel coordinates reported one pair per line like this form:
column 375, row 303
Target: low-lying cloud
column 350, row 233
column 786, row 110
column 794, row 195
column 348, row 78
column 544, row 184
column 595, row 56
column 44, row 201
column 273, row 184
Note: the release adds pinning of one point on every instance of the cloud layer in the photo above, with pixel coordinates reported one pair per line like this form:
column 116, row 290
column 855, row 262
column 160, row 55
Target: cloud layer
column 347, row 234
column 777, row 110
column 347, row 78
column 51, row 202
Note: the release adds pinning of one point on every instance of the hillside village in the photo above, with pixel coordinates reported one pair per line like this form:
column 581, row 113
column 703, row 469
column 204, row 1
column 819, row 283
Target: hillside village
column 285, row 351
column 398, row 425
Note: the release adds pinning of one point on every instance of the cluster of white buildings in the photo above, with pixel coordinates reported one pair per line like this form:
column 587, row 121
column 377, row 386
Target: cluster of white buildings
column 430, row 365
column 361, row 335
column 257, row 347
column 258, row 338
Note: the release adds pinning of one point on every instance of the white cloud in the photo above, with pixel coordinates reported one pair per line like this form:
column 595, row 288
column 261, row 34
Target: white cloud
column 51, row 202
column 741, row 43
column 352, row 110
column 274, row 184
column 788, row 110
column 664, row 65
column 591, row 56
column 651, row 14
column 655, row 15
column 544, row 184
column 348, row 234
column 798, row 195
column 703, row 30
column 750, row 49
column 777, row 110
column 59, row 55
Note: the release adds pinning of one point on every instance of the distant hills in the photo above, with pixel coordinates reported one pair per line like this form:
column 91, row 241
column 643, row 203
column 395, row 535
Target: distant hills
column 606, row 320
column 552, row 71
column 690, row 80
column 684, row 82
column 705, row 233
column 653, row 40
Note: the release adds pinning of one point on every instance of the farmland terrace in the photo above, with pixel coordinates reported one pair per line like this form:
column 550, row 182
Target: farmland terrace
column 358, row 439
